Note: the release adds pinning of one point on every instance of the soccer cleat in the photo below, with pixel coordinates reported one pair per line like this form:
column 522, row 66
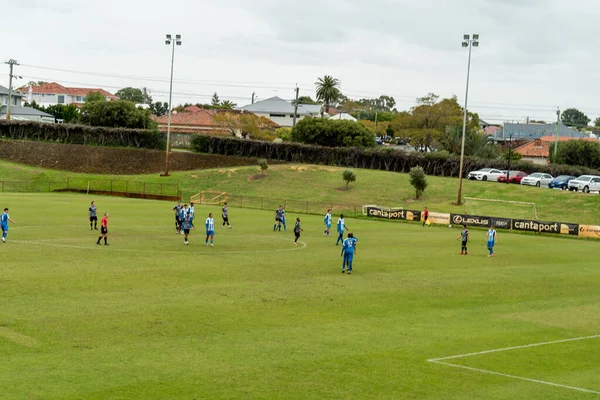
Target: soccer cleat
column 461, row 253
column 349, row 272
column 466, row 253
column 106, row 244
column 343, row 271
column 229, row 226
column 186, row 243
column 3, row 240
column 212, row 245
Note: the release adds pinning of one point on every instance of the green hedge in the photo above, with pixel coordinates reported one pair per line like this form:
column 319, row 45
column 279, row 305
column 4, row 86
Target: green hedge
column 81, row 134
column 383, row 159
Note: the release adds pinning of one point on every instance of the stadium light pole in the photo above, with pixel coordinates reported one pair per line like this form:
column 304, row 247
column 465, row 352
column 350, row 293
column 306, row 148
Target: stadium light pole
column 469, row 41
column 169, row 41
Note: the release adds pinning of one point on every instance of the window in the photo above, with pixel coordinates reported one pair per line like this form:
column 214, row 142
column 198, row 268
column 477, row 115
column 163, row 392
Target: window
column 277, row 115
column 79, row 98
column 61, row 99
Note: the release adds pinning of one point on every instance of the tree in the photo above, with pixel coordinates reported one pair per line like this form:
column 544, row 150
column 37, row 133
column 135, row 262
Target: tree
column 94, row 97
column 328, row 91
column 264, row 165
column 116, row 114
column 138, row 96
column 227, row 105
column 574, row 117
column 284, row 134
column 305, row 100
column 577, row 152
column 418, row 180
column 215, row 101
column 476, row 143
column 68, row 113
column 245, row 124
column 597, row 122
column 333, row 133
column 159, row 109
column 348, row 176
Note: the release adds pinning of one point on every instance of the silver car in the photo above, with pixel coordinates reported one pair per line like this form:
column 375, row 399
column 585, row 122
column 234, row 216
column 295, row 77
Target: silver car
column 538, row 179
column 585, row 183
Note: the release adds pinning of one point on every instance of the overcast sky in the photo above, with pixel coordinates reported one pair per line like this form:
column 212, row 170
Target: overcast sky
column 534, row 55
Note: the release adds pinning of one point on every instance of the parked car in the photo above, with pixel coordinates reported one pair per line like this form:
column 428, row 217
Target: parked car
column 514, row 177
column 538, row 179
column 485, row 174
column 561, row 182
column 585, row 183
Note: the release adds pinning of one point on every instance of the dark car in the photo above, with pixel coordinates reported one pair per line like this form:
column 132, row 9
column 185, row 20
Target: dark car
column 561, row 182
column 514, row 177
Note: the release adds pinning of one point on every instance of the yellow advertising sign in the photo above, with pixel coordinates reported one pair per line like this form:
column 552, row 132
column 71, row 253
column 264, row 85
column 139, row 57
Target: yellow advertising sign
column 590, row 231
column 439, row 218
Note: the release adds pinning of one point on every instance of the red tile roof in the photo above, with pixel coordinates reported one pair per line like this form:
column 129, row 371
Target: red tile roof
column 199, row 118
column 56, row 88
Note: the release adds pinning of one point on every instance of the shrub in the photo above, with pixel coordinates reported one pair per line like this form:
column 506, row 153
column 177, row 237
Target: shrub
column 333, row 133
column 418, row 180
column 262, row 163
column 348, row 176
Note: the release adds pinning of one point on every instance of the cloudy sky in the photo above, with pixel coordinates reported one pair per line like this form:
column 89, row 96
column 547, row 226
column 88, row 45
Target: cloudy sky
column 534, row 55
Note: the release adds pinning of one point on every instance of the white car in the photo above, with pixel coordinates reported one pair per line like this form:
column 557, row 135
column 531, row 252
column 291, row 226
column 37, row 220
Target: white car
column 485, row 174
column 585, row 183
column 538, row 179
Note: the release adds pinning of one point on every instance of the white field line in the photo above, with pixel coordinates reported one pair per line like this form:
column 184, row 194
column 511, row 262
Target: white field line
column 18, row 338
column 441, row 361
column 514, row 348
column 517, row 377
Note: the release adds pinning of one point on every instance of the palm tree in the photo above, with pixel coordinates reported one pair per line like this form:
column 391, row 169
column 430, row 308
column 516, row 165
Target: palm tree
column 328, row 91
column 226, row 104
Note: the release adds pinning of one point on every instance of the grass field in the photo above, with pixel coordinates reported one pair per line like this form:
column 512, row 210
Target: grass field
column 319, row 184
column 257, row 318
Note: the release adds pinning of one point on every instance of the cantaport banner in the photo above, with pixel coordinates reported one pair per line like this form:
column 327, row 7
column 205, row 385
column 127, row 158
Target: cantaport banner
column 400, row 214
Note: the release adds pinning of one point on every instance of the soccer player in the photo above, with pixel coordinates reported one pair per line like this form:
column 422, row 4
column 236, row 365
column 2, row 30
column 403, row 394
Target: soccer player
column 4, row 220
column 491, row 241
column 177, row 210
column 464, row 234
column 210, row 230
column 425, row 215
column 340, row 229
column 283, row 220
column 348, row 251
column 225, row 215
column 191, row 212
column 297, row 230
column 327, row 222
column 92, row 213
column 103, row 229
column 278, row 218
column 182, row 214
column 186, row 225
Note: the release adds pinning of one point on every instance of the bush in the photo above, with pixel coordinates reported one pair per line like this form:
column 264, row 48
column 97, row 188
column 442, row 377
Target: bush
column 577, row 152
column 81, row 134
column 333, row 133
column 262, row 163
column 284, row 134
column 418, row 180
column 398, row 161
column 348, row 176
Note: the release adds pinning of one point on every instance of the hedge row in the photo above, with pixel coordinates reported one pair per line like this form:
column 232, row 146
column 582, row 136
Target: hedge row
column 381, row 159
column 81, row 134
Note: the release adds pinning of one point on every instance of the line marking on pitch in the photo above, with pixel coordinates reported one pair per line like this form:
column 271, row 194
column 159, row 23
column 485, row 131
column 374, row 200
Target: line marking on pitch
column 18, row 338
column 522, row 378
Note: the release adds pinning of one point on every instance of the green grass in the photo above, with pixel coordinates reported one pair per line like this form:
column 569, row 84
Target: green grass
column 324, row 185
column 257, row 318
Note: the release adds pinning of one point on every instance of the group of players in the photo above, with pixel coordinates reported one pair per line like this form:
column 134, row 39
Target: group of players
column 184, row 222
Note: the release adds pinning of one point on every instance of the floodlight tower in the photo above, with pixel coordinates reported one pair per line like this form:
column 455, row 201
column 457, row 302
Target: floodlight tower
column 169, row 41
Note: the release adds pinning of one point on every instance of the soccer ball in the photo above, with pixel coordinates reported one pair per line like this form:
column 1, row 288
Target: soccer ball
column 450, row 226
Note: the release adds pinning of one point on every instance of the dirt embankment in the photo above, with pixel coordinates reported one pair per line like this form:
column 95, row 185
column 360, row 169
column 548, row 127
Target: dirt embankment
column 110, row 160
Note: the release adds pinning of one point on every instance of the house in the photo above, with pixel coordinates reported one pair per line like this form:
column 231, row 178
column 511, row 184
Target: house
column 53, row 93
column 281, row 112
column 18, row 113
column 343, row 116
column 537, row 151
column 192, row 119
column 518, row 131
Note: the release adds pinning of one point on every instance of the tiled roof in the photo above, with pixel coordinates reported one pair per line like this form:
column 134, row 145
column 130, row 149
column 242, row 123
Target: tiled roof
column 200, row 118
column 56, row 88
column 564, row 139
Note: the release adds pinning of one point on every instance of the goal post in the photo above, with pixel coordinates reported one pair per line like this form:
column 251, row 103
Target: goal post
column 500, row 208
column 209, row 197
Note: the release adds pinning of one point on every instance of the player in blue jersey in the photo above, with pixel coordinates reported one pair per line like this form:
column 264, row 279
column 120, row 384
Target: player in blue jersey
column 340, row 229
column 278, row 219
column 4, row 220
column 186, row 225
column 491, row 241
column 348, row 251
column 191, row 211
column 283, row 220
column 327, row 222
column 182, row 214
column 210, row 230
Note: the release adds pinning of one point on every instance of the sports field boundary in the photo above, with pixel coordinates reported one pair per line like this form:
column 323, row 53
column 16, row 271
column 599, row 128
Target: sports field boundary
column 442, row 361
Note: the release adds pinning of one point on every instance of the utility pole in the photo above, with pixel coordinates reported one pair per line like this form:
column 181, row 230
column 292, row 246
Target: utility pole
column 170, row 41
column 296, row 105
column 556, row 140
column 253, row 94
column 509, row 157
column 11, row 63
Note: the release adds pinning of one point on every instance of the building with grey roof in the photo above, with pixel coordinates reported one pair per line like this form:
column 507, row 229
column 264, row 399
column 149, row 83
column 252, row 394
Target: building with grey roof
column 520, row 131
column 282, row 112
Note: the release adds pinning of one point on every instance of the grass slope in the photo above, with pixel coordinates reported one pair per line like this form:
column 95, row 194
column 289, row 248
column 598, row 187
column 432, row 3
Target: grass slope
column 325, row 185
column 257, row 318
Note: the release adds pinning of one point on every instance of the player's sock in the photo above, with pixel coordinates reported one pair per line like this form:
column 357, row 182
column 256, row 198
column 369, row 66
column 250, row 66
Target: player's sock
column 99, row 239
column 104, row 240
